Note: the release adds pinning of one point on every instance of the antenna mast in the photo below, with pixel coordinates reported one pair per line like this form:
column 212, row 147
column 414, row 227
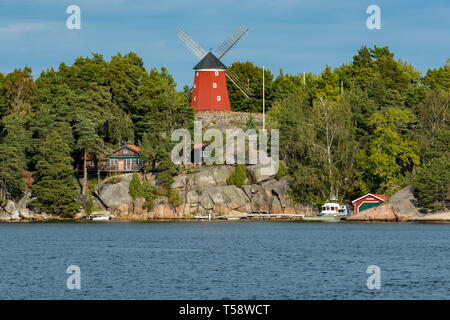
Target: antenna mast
column 264, row 105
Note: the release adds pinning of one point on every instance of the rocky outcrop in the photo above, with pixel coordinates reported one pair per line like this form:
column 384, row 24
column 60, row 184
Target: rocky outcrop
column 19, row 211
column 434, row 217
column 401, row 206
column 115, row 196
column 405, row 204
column 261, row 172
column 203, row 192
column 382, row 213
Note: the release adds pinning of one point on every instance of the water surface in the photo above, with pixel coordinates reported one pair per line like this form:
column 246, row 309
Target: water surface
column 220, row 260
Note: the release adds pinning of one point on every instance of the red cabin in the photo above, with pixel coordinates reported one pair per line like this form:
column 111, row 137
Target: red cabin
column 368, row 201
column 210, row 91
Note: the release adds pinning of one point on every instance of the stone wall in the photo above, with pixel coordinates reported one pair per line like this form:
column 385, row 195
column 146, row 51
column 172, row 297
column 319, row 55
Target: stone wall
column 227, row 120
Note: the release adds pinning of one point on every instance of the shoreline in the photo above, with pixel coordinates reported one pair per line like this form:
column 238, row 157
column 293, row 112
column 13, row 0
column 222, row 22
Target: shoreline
column 249, row 220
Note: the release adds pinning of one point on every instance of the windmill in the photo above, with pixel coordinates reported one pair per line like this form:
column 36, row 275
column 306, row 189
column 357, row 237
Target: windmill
column 210, row 91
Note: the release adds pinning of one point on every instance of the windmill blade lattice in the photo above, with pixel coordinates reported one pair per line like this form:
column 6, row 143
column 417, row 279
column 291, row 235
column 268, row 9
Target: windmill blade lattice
column 238, row 83
column 231, row 41
column 191, row 44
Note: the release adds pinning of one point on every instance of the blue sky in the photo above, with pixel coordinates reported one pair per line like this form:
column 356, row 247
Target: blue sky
column 294, row 35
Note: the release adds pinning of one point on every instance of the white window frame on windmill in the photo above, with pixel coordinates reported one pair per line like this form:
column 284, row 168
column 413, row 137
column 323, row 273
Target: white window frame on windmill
column 216, row 73
column 219, row 98
column 214, row 85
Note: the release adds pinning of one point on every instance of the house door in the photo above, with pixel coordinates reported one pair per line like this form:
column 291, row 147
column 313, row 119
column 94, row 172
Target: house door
column 121, row 165
column 128, row 164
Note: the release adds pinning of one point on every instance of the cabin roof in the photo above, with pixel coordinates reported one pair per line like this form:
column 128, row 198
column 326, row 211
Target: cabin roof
column 128, row 146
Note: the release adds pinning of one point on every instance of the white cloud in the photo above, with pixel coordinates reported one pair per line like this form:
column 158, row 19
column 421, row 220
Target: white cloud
column 23, row 27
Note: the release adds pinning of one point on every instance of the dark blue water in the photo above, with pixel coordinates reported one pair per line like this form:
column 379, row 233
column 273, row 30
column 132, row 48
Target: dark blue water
column 238, row 260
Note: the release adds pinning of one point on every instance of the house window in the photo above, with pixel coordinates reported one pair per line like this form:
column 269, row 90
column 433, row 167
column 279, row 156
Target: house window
column 126, row 151
column 214, row 85
column 218, row 98
column 113, row 162
column 91, row 163
column 216, row 73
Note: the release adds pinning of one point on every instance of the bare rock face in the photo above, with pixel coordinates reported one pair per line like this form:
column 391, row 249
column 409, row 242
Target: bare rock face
column 280, row 189
column 381, row 213
column 15, row 215
column 204, row 178
column 23, row 202
column 162, row 210
column 4, row 217
column 10, row 207
column 405, row 204
column 25, row 213
column 261, row 172
column 115, row 195
column 434, row 217
column 222, row 199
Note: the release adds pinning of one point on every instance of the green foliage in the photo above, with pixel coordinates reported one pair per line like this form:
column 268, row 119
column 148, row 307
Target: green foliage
column 90, row 207
column 432, row 183
column 135, row 189
column 56, row 189
column 251, row 123
column 391, row 153
column 13, row 156
column 252, row 76
column 368, row 135
column 149, row 192
column 282, row 171
column 238, row 176
column 115, row 179
column 174, row 197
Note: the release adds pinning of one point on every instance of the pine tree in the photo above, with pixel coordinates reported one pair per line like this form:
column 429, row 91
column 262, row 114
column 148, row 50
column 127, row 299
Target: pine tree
column 56, row 189
column 12, row 157
column 89, row 143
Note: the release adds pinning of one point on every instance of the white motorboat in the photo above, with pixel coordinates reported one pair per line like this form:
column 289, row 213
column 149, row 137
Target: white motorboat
column 334, row 209
column 100, row 216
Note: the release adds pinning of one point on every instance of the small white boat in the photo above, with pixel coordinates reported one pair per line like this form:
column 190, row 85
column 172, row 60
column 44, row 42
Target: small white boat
column 334, row 209
column 101, row 217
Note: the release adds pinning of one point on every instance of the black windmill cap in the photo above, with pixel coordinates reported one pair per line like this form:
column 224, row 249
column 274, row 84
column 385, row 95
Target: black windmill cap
column 210, row 61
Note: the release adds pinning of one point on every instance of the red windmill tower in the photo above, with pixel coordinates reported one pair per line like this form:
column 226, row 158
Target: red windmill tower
column 210, row 92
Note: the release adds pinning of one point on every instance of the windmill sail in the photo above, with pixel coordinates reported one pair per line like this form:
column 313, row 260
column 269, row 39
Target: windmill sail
column 231, row 41
column 191, row 44
column 222, row 50
column 238, row 83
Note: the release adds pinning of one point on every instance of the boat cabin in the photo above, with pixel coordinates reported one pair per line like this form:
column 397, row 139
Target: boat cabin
column 334, row 209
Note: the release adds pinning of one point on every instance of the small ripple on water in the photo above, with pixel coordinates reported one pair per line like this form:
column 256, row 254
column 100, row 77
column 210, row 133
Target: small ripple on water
column 224, row 261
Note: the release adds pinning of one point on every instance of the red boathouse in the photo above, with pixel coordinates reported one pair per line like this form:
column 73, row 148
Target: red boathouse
column 368, row 201
column 210, row 91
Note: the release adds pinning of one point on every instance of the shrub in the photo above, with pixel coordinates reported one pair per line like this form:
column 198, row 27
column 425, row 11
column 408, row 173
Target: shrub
column 149, row 192
column 238, row 176
column 282, row 170
column 115, row 179
column 174, row 197
column 2, row 201
column 135, row 190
